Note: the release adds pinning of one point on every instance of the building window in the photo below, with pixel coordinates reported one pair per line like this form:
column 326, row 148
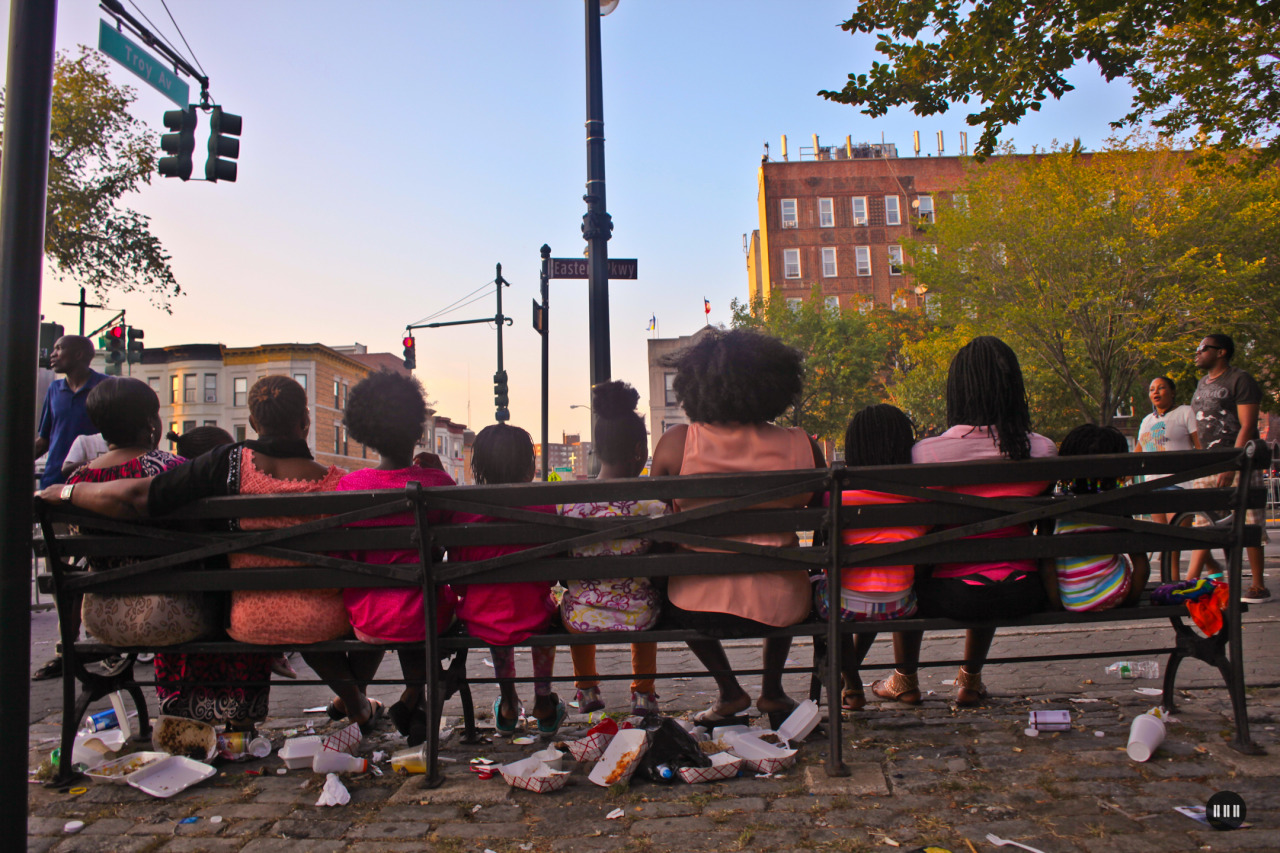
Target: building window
column 789, row 219
column 301, row 379
column 241, row 432
column 669, row 380
column 175, row 382
column 826, row 213
column 829, row 262
column 892, row 215
column 866, row 305
column 859, row 210
column 188, row 426
column 173, row 428
column 924, row 208
column 210, row 423
column 960, row 201
column 189, row 388
column 211, row 387
column 364, row 452
column 239, row 390
column 337, row 440
column 899, row 302
column 345, row 388
column 153, row 382
column 791, row 263
column 895, row 260
column 794, row 303
column 344, row 438
column 337, row 400
column 862, row 255
column 833, row 303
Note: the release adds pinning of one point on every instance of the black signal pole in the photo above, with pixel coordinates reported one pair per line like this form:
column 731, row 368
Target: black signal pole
column 545, row 330
column 597, row 225
column 24, row 174
column 81, row 305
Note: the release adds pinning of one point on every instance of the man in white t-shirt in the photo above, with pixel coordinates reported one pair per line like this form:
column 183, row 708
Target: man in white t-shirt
column 84, row 450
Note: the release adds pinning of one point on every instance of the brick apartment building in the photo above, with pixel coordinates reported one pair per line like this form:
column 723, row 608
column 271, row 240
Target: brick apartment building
column 834, row 216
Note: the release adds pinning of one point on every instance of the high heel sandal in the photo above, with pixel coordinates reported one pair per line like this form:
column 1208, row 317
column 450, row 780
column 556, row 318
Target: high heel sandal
column 970, row 691
column 899, row 686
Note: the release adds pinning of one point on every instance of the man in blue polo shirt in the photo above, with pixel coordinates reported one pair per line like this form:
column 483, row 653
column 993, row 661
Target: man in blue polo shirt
column 64, row 415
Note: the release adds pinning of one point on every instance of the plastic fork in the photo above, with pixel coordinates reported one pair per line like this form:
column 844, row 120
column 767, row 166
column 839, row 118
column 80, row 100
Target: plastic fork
column 1004, row 842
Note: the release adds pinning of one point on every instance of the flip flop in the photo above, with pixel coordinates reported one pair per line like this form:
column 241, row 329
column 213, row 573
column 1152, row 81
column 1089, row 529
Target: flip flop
column 778, row 717
column 401, row 716
column 377, row 709
column 710, row 719
column 509, row 728
column 331, row 710
column 557, row 719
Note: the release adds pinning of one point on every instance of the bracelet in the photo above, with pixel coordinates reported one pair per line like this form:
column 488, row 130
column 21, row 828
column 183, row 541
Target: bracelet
column 65, row 496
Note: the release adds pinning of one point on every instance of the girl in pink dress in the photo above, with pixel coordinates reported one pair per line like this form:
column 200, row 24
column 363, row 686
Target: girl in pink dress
column 387, row 411
column 502, row 614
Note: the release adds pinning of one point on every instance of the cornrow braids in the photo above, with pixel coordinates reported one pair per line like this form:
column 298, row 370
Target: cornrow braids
column 1089, row 440
column 619, row 427
column 879, row 435
column 278, row 405
column 984, row 388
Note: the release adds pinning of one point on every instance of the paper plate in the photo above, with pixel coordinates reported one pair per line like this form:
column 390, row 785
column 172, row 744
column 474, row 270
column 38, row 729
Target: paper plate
column 170, row 776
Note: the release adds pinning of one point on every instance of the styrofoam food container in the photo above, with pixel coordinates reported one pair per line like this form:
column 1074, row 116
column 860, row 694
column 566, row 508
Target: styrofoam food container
column 532, row 774
column 800, row 722
column 760, row 756
column 621, row 758
column 724, row 765
column 721, row 732
column 170, row 776
column 117, row 770
column 552, row 757
column 297, row 752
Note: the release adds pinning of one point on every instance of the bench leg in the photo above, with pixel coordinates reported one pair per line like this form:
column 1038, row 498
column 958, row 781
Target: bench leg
column 1212, row 650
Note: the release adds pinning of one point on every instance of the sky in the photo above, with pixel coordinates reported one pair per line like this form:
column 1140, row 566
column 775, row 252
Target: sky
column 394, row 151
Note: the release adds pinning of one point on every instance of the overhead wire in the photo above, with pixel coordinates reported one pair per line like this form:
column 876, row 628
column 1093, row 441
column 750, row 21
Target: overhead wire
column 453, row 306
column 184, row 38
column 156, row 32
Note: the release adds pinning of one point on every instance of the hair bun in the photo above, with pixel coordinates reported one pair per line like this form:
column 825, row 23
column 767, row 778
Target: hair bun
column 172, row 436
column 612, row 400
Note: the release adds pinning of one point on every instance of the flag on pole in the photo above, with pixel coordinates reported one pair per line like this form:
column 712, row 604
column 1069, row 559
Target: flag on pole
column 706, row 307
column 653, row 323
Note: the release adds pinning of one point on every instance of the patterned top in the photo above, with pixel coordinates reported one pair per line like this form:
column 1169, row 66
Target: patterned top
column 148, row 464
column 1093, row 582
column 611, row 604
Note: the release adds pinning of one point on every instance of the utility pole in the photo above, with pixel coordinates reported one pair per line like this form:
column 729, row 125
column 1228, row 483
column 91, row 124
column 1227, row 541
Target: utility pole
column 81, row 305
column 544, row 329
column 597, row 225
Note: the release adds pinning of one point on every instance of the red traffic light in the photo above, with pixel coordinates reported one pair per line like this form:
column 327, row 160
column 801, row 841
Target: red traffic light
column 117, row 332
column 408, row 342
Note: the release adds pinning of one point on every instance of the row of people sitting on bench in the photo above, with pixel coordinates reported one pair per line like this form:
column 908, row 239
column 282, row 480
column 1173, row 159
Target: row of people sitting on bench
column 731, row 384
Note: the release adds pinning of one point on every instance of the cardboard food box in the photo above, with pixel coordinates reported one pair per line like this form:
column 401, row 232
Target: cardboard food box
column 589, row 748
column 724, row 765
column 620, row 760
column 531, row 774
column 760, row 756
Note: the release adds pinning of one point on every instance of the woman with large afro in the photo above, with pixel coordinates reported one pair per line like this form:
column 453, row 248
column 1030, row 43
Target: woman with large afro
column 732, row 385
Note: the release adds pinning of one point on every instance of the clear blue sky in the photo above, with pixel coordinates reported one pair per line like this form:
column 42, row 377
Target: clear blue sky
column 393, row 152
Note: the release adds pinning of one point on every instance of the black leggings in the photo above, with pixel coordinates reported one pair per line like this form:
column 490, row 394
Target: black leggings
column 952, row 598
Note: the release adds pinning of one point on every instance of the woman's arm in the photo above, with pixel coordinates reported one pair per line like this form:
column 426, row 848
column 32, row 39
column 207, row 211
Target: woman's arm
column 116, row 499
column 668, row 456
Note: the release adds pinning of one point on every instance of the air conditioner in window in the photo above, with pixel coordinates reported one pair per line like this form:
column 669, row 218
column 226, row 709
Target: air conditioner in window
column 210, row 396
column 789, row 223
column 861, row 220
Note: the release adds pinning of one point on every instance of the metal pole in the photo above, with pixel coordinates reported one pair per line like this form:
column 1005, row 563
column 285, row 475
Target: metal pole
column 83, row 305
column 24, row 175
column 597, row 226
column 502, row 413
column 545, row 282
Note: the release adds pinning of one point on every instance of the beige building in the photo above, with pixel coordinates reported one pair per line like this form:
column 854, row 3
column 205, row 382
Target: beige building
column 664, row 410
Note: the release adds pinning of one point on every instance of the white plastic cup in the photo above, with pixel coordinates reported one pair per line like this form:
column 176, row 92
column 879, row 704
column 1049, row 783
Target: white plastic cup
column 1145, row 736
column 328, row 761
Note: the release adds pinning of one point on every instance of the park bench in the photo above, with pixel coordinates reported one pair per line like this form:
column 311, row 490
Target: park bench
column 171, row 555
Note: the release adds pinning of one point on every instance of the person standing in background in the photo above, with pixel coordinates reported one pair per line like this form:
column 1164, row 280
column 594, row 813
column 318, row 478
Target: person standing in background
column 64, row 416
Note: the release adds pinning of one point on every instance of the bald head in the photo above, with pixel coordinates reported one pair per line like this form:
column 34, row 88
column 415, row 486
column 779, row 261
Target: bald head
column 71, row 354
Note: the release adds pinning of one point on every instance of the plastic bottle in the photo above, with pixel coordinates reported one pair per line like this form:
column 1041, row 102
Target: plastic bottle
column 1134, row 669
column 665, row 772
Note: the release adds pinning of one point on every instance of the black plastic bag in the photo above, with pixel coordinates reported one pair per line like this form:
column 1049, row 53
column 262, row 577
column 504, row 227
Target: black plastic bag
column 670, row 748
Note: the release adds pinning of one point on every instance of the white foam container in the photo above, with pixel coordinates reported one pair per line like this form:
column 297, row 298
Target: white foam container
column 800, row 723
column 622, row 757
column 724, row 765
column 298, row 752
column 115, row 771
column 170, row 776
column 760, row 756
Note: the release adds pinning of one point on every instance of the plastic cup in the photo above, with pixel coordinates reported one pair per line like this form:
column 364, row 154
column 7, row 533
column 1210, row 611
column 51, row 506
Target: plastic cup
column 411, row 760
column 1145, row 735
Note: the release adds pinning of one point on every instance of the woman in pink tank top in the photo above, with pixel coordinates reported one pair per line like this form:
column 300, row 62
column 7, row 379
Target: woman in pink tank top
column 731, row 385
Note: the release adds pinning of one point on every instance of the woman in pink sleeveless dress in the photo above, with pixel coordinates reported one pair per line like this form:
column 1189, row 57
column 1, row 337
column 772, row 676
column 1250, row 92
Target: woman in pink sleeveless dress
column 732, row 385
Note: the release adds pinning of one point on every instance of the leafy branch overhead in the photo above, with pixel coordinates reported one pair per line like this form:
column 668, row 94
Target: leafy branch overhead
column 1201, row 67
column 99, row 153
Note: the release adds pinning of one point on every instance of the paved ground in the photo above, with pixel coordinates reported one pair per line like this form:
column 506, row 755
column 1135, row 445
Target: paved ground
column 928, row 776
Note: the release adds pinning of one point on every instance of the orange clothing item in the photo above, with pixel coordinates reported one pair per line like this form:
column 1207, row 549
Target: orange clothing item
column 265, row 617
column 877, row 579
column 772, row 598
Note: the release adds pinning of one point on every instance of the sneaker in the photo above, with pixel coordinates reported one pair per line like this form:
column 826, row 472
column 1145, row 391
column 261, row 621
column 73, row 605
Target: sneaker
column 588, row 700
column 644, row 704
column 1256, row 595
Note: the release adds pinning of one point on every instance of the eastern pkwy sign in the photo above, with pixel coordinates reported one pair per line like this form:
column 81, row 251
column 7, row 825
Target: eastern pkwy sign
column 619, row 268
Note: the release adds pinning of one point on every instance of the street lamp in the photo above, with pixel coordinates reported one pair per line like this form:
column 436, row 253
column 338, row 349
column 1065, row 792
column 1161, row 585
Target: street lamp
column 579, row 406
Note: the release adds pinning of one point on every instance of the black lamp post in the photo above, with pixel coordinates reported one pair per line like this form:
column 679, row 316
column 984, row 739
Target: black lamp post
column 597, row 225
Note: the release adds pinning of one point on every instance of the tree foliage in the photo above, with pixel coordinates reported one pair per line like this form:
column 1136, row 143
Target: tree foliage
column 1208, row 67
column 99, row 153
column 1098, row 269
column 844, row 356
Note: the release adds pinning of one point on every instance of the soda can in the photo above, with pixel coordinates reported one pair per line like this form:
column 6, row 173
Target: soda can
column 103, row 720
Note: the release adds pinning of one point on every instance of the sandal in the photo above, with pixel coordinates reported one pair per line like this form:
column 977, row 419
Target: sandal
column 853, row 698
column 509, row 728
column 711, row 718
column 551, row 726
column 970, row 691
column 333, row 712
column 779, row 716
column 51, row 668
column 376, row 710
column 899, row 686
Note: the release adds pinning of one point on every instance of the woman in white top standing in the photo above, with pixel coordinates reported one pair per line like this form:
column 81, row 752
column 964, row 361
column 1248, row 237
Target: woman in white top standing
column 1168, row 427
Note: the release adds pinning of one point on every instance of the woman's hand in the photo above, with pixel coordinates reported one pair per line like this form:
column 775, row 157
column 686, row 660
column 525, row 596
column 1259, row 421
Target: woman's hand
column 52, row 494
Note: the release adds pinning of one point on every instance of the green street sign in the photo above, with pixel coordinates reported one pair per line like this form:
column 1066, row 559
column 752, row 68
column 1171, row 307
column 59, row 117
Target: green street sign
column 146, row 66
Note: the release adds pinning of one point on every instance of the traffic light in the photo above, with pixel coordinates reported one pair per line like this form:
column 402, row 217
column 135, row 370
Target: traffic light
column 49, row 334
column 410, row 353
column 135, row 345
column 500, row 398
column 223, row 130
column 115, row 350
column 179, row 144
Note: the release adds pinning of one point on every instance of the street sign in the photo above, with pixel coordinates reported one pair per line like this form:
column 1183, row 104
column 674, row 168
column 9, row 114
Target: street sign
column 115, row 45
column 620, row 268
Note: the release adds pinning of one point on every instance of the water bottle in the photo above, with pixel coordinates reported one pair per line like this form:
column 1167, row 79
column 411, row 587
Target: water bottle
column 665, row 773
column 1134, row 669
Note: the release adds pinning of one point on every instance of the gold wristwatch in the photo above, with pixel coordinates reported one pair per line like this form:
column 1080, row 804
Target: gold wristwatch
column 65, row 496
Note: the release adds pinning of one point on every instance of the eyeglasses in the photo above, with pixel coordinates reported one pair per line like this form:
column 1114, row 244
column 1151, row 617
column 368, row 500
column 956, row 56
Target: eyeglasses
column 1203, row 348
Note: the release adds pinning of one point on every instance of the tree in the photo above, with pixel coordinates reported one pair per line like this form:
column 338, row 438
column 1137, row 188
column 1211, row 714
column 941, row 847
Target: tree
column 1096, row 268
column 98, row 153
column 1208, row 67
column 843, row 354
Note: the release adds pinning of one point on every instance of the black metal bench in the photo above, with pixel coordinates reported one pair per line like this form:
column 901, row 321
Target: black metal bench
column 169, row 554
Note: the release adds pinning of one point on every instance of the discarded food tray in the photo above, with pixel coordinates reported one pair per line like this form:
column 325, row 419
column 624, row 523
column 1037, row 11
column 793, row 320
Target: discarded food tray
column 115, row 770
column 724, row 765
column 181, row 736
column 589, row 748
column 170, row 776
column 760, row 756
column 531, row 774
column 620, row 760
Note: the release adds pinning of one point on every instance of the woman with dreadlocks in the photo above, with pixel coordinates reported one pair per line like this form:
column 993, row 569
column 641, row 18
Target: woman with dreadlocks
column 988, row 418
